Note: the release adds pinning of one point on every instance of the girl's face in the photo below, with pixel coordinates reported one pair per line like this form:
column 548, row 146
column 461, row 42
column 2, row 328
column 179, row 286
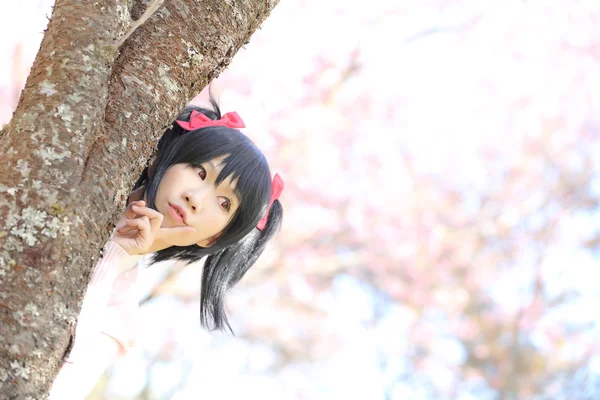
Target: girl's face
column 207, row 207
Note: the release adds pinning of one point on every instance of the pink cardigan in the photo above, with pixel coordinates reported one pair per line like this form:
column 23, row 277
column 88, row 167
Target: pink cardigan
column 106, row 327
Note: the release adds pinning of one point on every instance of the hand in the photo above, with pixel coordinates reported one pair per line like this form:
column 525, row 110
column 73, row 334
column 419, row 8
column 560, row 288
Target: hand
column 140, row 226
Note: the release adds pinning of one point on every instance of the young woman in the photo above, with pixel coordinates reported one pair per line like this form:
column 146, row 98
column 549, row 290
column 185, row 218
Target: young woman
column 208, row 193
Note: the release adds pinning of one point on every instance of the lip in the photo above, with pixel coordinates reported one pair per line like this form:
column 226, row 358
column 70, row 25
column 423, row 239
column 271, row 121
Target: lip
column 173, row 213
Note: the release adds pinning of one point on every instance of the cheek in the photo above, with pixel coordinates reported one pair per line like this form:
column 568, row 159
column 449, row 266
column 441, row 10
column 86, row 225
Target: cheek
column 215, row 224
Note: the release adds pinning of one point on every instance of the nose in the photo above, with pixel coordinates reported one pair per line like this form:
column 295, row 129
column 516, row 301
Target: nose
column 195, row 198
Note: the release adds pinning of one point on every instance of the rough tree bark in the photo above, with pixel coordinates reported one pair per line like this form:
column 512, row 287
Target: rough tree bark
column 87, row 122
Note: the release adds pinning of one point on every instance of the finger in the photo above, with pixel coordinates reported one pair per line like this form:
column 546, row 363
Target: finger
column 130, row 212
column 125, row 229
column 146, row 211
column 165, row 233
column 155, row 218
column 143, row 228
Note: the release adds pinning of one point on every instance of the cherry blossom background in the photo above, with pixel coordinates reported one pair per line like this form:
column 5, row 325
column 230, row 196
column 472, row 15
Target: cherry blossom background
column 441, row 237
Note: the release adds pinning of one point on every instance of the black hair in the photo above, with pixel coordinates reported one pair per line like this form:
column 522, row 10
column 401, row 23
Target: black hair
column 241, row 242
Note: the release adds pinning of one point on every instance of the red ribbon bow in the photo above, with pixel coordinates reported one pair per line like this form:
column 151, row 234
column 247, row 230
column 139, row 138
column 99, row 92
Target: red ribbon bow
column 199, row 120
column 276, row 189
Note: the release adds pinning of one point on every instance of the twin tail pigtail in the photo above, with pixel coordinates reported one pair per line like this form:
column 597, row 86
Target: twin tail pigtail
column 224, row 269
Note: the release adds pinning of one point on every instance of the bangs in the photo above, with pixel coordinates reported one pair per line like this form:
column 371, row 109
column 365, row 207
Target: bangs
column 244, row 165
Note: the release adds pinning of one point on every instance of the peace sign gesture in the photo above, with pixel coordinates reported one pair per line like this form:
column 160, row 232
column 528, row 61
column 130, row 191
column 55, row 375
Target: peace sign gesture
column 139, row 227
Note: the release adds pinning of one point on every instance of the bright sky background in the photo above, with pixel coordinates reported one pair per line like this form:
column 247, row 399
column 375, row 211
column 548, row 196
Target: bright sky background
column 336, row 93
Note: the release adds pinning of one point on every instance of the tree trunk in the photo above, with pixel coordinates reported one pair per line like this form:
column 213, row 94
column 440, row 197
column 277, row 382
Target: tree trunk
column 87, row 122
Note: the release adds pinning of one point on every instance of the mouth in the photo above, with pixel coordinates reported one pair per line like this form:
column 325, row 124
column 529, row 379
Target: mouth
column 177, row 213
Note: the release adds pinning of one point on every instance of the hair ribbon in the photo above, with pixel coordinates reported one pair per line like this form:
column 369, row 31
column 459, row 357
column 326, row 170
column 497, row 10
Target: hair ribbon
column 276, row 189
column 199, row 120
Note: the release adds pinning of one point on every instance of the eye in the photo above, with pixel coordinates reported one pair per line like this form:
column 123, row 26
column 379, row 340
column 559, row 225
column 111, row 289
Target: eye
column 225, row 203
column 202, row 172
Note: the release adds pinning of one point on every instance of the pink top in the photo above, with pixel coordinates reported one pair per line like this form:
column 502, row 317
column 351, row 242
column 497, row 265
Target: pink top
column 106, row 327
